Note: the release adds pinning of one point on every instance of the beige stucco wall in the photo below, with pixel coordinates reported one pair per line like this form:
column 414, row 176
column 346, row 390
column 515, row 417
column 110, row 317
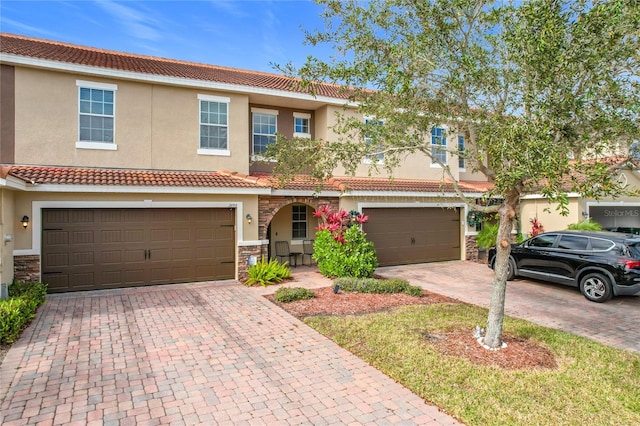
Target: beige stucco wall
column 8, row 227
column 547, row 215
column 156, row 126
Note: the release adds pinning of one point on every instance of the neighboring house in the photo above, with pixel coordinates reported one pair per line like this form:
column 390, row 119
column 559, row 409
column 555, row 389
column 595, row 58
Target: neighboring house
column 133, row 170
column 623, row 212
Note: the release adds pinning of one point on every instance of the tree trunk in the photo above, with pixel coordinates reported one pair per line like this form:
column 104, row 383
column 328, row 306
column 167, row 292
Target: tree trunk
column 493, row 337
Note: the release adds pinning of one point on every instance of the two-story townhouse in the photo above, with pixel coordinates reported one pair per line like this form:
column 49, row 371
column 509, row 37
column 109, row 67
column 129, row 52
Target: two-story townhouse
column 120, row 170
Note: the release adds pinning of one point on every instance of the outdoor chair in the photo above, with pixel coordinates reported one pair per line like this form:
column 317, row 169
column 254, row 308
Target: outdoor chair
column 307, row 250
column 283, row 252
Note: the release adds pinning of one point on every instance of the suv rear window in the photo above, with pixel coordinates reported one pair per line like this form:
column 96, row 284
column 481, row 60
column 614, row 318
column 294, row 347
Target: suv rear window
column 598, row 244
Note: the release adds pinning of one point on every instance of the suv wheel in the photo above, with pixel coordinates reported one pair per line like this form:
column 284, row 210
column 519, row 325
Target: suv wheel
column 596, row 287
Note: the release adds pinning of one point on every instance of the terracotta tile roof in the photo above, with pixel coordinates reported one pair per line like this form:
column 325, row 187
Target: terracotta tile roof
column 399, row 185
column 123, row 177
column 221, row 179
column 82, row 55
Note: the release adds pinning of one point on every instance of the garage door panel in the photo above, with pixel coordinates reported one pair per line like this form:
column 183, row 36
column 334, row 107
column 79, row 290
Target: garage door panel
column 83, row 258
column 414, row 235
column 108, row 248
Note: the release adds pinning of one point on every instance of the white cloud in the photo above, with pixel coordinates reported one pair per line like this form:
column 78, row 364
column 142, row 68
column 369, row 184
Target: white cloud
column 137, row 23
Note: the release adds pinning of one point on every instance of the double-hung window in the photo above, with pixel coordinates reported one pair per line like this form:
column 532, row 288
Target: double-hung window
column 370, row 141
column 214, row 125
column 299, row 222
column 265, row 126
column 461, row 153
column 438, row 146
column 301, row 126
column 96, row 115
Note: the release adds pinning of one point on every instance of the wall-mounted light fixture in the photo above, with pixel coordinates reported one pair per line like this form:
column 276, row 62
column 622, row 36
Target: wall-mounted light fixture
column 585, row 215
column 25, row 221
column 249, row 218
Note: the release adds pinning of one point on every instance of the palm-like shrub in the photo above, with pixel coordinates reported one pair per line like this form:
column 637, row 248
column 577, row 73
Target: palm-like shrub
column 267, row 273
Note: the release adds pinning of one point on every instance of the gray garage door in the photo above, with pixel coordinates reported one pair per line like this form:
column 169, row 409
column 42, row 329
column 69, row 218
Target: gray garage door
column 84, row 249
column 414, row 235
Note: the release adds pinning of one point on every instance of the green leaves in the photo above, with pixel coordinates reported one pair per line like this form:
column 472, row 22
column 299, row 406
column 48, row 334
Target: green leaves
column 267, row 273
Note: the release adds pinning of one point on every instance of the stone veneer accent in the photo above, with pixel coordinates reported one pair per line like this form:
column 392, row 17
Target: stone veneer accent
column 26, row 268
column 243, row 258
column 473, row 253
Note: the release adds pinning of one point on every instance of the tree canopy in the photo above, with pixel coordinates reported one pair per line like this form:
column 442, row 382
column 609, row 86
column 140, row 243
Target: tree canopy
column 541, row 89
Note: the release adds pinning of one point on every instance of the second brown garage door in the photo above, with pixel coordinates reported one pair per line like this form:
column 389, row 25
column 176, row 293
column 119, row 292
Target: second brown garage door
column 85, row 249
column 404, row 236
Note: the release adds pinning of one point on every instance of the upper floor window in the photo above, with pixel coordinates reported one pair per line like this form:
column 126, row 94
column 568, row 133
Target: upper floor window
column 214, row 125
column 376, row 156
column 265, row 126
column 461, row 151
column 96, row 115
column 301, row 125
column 299, row 222
column 438, row 145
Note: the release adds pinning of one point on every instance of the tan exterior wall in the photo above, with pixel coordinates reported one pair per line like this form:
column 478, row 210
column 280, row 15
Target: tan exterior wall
column 547, row 215
column 8, row 227
column 156, row 127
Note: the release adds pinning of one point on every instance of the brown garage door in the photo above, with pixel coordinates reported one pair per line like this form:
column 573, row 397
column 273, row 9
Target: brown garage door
column 85, row 249
column 414, row 235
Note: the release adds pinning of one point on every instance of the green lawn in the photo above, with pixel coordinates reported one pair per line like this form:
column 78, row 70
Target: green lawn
column 593, row 384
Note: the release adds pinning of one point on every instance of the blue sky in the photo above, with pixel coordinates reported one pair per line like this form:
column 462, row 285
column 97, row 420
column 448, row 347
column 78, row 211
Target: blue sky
column 248, row 34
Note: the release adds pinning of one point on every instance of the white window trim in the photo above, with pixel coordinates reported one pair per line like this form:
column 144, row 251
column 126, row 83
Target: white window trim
column 301, row 115
column 369, row 160
column 254, row 156
column 213, row 151
column 96, row 85
column 265, row 111
column 435, row 165
column 104, row 146
column 462, row 169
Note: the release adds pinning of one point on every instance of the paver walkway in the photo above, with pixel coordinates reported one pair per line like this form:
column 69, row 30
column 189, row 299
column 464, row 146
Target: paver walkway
column 208, row 353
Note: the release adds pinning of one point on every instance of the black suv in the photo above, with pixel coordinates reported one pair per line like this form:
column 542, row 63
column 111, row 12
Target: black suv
column 602, row 264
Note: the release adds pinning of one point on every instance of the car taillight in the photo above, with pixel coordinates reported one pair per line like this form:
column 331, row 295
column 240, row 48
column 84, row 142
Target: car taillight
column 630, row 263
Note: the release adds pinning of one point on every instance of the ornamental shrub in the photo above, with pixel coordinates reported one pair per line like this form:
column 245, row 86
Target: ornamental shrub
column 267, row 273
column 341, row 248
column 372, row 285
column 19, row 309
column 291, row 294
column 585, row 225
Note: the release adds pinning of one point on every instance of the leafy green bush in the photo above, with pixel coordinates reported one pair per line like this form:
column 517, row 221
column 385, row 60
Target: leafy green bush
column 19, row 309
column 291, row 294
column 372, row 285
column 267, row 273
column 585, row 225
column 355, row 257
column 488, row 235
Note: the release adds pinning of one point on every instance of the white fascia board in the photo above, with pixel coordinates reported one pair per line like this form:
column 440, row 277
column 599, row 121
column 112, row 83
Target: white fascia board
column 174, row 81
column 542, row 197
column 408, row 205
column 13, row 183
column 403, row 194
column 144, row 189
column 300, row 193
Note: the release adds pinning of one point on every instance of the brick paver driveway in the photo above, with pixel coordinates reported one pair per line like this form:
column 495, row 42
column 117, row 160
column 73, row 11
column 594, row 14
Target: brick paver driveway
column 615, row 323
column 213, row 353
